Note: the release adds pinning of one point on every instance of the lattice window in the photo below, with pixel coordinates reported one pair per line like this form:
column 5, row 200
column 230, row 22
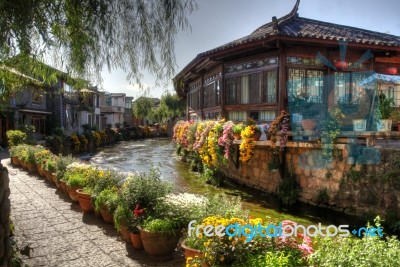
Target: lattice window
column 210, row 95
column 255, row 88
column 308, row 84
column 346, row 86
column 270, row 86
column 194, row 99
column 231, row 89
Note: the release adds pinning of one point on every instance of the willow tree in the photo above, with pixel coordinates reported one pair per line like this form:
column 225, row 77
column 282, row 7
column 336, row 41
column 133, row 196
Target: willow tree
column 82, row 37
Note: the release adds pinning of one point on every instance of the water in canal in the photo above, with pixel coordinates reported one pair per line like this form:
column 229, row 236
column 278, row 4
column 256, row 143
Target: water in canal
column 139, row 155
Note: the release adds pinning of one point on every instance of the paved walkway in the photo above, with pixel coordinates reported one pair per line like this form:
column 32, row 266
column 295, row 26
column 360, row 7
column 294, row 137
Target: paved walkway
column 60, row 234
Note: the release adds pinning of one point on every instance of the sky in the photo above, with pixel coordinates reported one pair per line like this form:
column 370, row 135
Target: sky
column 217, row 22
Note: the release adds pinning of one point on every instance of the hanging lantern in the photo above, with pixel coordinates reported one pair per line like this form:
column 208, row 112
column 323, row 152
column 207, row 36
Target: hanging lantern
column 391, row 70
column 340, row 64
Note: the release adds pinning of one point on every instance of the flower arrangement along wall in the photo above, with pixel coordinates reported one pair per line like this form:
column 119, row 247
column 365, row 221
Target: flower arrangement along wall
column 213, row 141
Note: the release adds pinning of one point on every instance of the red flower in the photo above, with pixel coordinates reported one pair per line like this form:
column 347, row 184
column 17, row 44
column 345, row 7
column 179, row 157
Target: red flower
column 138, row 212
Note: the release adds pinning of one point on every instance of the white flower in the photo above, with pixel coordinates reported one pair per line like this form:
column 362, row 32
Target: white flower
column 186, row 199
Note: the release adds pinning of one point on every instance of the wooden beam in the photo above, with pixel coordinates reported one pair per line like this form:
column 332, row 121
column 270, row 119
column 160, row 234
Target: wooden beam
column 387, row 59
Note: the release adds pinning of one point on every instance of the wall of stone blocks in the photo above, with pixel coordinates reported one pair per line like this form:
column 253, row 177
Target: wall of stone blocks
column 357, row 188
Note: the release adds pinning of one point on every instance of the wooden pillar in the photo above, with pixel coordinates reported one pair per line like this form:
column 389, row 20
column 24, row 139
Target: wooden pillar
column 222, row 93
column 282, row 73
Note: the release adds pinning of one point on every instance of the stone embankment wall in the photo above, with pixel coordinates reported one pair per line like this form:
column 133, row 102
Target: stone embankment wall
column 357, row 180
column 5, row 208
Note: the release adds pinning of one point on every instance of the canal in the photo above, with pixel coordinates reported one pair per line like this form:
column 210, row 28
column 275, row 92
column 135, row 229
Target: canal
column 140, row 155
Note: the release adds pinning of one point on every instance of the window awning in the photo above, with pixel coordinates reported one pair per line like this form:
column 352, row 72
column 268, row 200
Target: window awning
column 383, row 78
column 34, row 111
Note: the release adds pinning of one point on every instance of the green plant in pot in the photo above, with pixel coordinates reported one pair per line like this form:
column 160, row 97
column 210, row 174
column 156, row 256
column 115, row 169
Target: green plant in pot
column 74, row 181
column 160, row 236
column 395, row 117
column 383, row 112
column 106, row 202
column 122, row 219
column 145, row 189
column 237, row 130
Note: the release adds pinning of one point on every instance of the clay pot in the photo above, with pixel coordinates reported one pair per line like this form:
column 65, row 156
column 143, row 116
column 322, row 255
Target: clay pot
column 63, row 186
column 14, row 161
column 107, row 215
column 160, row 245
column 136, row 240
column 126, row 235
column 308, row 124
column 31, row 167
column 85, row 201
column 237, row 136
column 72, row 193
column 256, row 136
column 191, row 252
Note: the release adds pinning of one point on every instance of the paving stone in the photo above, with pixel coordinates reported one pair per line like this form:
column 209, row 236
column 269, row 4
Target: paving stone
column 60, row 235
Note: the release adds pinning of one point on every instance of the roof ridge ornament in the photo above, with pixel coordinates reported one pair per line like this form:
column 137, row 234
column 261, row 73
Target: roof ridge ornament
column 293, row 14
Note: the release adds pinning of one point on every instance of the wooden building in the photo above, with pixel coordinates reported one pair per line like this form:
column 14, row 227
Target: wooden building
column 262, row 73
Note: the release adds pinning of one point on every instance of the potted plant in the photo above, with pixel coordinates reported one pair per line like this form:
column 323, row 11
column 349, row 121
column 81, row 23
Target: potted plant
column 14, row 155
column 160, row 236
column 122, row 218
column 50, row 168
column 29, row 159
column 41, row 156
column 383, row 113
column 75, row 180
column 395, row 117
column 237, row 130
column 106, row 202
column 60, row 168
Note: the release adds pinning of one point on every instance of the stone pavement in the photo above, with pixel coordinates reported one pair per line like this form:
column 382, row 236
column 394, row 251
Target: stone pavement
column 61, row 235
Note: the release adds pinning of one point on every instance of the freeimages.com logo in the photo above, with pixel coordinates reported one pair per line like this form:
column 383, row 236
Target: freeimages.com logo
column 284, row 229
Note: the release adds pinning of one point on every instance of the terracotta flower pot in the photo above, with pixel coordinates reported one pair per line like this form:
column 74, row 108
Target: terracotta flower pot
column 160, row 245
column 237, row 136
column 72, row 193
column 256, row 136
column 63, row 186
column 191, row 252
column 40, row 169
column 136, row 240
column 126, row 235
column 49, row 177
column 31, row 167
column 308, row 124
column 23, row 165
column 85, row 201
column 107, row 215
column 14, row 161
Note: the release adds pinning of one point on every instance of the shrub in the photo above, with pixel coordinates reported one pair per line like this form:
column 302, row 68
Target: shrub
column 61, row 165
column 346, row 251
column 107, row 198
column 145, row 189
column 15, row 137
column 160, row 225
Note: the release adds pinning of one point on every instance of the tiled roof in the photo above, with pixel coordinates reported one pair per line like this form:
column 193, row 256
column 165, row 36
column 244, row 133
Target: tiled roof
column 292, row 25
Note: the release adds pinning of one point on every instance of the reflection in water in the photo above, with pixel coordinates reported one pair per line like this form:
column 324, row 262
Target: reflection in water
column 140, row 155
